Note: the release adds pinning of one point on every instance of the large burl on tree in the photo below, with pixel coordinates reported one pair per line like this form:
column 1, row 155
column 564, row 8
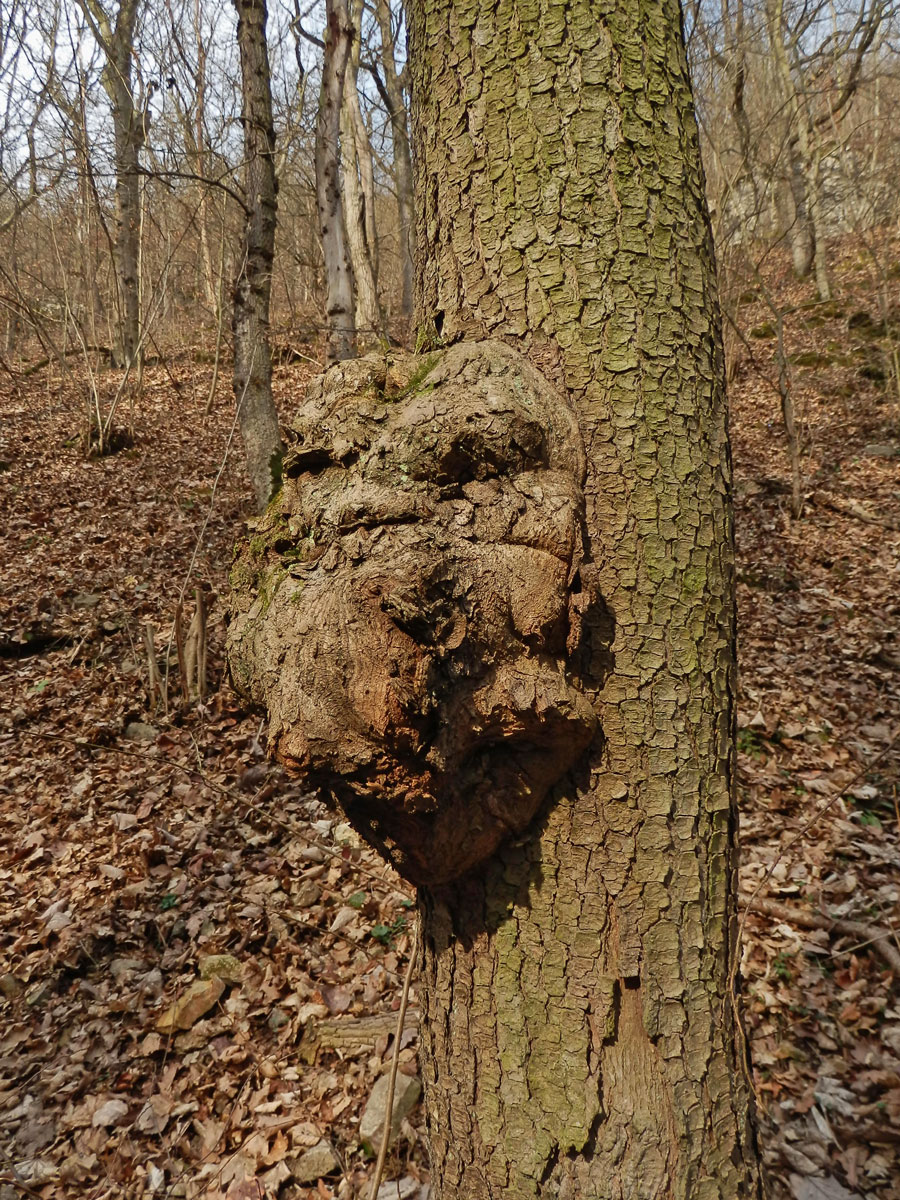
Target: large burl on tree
column 410, row 609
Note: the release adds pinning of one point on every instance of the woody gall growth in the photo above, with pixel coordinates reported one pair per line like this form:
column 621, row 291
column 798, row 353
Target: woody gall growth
column 410, row 610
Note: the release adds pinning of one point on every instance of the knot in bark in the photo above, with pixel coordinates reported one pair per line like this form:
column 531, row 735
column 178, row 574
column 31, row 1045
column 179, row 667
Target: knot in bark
column 409, row 609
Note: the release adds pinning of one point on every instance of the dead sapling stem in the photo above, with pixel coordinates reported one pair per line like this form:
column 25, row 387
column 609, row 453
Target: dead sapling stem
column 179, row 650
column 156, row 689
column 202, row 651
column 395, row 1062
column 190, row 649
column 195, row 650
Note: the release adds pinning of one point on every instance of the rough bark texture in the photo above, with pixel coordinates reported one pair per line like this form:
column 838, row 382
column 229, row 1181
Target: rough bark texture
column 579, row 1037
column 250, row 323
column 339, row 314
column 411, row 609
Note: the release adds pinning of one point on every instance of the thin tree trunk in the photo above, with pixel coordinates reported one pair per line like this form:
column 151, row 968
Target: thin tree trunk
column 129, row 141
column 13, row 322
column 817, row 219
column 210, row 282
column 807, row 235
column 367, row 315
column 250, row 323
column 580, row 1037
column 403, row 176
column 339, row 315
column 785, row 391
column 358, row 183
column 361, row 138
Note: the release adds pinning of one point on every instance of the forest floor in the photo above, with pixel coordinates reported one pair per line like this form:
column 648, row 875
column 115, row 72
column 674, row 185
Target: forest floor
column 200, row 968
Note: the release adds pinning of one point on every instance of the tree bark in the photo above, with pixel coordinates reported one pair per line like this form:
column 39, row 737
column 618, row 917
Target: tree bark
column 339, row 313
column 403, row 176
column 367, row 316
column 358, row 200
column 128, row 135
column 250, row 322
column 580, row 1037
column 117, row 43
column 807, row 234
column 795, row 216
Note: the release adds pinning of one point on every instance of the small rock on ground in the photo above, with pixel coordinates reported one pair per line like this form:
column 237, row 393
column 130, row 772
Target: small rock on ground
column 317, row 1162
column 406, row 1092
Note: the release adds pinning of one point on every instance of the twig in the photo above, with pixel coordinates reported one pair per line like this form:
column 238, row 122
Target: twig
column 395, row 1061
column 877, row 936
column 850, row 508
column 10, row 1180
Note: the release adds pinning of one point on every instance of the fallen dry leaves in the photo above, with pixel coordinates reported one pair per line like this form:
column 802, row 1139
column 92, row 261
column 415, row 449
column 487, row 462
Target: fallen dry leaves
column 819, row 601
column 175, row 915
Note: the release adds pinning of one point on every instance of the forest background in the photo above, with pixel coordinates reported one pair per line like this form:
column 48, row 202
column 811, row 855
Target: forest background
column 144, row 832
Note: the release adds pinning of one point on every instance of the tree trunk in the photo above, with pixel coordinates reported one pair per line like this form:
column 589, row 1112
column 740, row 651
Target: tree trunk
column 367, row 316
column 807, row 234
column 817, row 219
column 403, row 177
column 794, row 217
column 196, row 139
column 252, row 354
column 358, row 200
column 128, row 140
column 339, row 316
column 580, row 1037
column 361, row 137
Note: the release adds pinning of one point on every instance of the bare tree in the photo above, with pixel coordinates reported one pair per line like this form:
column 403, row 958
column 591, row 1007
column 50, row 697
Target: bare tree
column 390, row 84
column 358, row 196
column 339, row 307
column 252, row 292
column 116, row 38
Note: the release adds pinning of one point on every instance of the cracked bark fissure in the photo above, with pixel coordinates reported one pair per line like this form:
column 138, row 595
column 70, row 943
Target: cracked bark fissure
column 578, row 1040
